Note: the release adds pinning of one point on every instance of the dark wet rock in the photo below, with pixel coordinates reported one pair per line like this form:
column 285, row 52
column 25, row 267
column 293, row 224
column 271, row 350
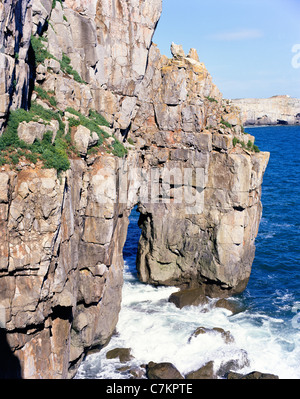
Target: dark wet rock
column 123, row 369
column 226, row 335
column 122, row 353
column 137, row 372
column 206, row 372
column 189, row 297
column 163, row 371
column 233, row 365
column 255, row 375
column 228, row 304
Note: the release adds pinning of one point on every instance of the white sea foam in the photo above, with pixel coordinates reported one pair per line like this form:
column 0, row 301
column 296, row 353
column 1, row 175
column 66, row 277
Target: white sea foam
column 157, row 331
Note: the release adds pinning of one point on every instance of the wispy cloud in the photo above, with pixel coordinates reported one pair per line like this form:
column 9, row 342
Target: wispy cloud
column 244, row 34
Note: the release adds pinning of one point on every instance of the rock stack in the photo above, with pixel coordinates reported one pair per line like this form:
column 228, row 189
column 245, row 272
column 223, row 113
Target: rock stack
column 62, row 234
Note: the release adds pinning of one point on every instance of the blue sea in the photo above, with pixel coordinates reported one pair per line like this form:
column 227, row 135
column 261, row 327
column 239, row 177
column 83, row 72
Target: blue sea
column 266, row 332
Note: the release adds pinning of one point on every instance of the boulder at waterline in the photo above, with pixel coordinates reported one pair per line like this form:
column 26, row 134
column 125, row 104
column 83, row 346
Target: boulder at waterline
column 255, row 375
column 189, row 297
column 233, row 365
column 137, row 372
column 122, row 353
column 228, row 304
column 205, row 372
column 226, row 335
column 163, row 371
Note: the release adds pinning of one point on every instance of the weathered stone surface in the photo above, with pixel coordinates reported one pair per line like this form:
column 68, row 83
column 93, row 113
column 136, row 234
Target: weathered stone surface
column 177, row 51
column 4, row 179
column 228, row 304
column 230, row 366
column 122, row 353
column 255, row 375
column 191, row 124
column 49, row 272
column 31, row 131
column 206, row 372
column 15, row 32
column 83, row 139
column 163, row 371
column 225, row 335
column 191, row 297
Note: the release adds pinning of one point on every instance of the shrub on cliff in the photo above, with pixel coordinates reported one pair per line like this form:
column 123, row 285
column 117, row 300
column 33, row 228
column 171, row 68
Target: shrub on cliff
column 52, row 155
column 255, row 148
column 66, row 67
column 40, row 52
column 118, row 149
column 226, row 124
column 44, row 95
column 250, row 146
column 93, row 122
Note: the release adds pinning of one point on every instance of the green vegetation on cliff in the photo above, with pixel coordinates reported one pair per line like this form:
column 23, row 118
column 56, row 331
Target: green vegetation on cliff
column 53, row 152
column 53, row 147
column 250, row 146
column 41, row 54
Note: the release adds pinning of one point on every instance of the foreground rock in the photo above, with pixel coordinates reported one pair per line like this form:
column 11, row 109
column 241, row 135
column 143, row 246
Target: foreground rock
column 255, row 375
column 163, row 371
column 230, row 305
column 226, row 335
column 233, row 365
column 192, row 297
column 122, row 353
column 205, row 372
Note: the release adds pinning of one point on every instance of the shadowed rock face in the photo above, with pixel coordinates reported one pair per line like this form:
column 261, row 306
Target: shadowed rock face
column 61, row 263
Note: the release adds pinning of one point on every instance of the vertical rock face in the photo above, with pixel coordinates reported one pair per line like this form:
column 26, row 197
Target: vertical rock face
column 15, row 31
column 191, row 171
column 125, row 54
column 61, row 276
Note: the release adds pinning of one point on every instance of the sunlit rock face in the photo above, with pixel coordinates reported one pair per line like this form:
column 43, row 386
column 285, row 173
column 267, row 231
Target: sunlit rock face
column 189, row 168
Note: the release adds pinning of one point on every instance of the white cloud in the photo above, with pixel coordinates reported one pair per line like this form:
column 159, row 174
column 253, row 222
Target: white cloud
column 243, row 34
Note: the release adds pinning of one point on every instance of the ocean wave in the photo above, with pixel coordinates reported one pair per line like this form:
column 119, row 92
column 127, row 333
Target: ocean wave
column 165, row 334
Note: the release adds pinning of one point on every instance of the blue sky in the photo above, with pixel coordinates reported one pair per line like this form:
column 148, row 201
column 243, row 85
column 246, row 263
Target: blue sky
column 246, row 45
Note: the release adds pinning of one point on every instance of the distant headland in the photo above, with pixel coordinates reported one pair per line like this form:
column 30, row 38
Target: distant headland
column 276, row 110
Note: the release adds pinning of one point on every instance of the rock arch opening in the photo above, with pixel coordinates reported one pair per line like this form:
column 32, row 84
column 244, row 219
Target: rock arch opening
column 132, row 240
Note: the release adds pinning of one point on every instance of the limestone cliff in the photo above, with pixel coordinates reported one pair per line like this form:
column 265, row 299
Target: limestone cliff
column 182, row 157
column 277, row 110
